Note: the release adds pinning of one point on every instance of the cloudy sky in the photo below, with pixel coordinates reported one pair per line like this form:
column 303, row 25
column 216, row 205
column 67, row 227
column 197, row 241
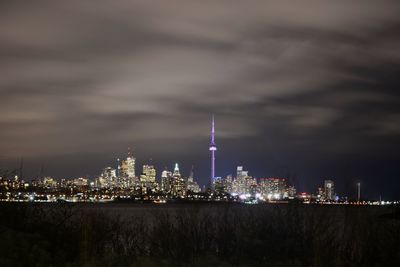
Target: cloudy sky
column 306, row 89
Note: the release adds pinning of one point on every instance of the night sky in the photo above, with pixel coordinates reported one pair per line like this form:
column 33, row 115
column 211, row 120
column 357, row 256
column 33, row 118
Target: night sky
column 299, row 89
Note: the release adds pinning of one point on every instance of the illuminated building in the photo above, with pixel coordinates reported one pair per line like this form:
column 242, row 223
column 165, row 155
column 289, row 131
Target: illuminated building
column 177, row 173
column 219, row 186
column 108, row 177
column 149, row 174
column 228, row 183
column 238, row 184
column 274, row 188
column 243, row 182
column 49, row 182
column 178, row 183
column 329, row 188
column 109, row 173
column 126, row 173
column 80, row 182
column 166, row 181
column 148, row 179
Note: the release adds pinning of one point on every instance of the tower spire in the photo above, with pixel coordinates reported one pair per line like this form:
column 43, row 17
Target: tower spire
column 213, row 131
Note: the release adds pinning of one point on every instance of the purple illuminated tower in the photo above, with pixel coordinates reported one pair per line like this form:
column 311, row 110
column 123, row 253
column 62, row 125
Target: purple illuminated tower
column 213, row 148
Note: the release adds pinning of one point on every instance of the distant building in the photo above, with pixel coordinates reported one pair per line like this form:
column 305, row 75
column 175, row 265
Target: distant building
column 49, row 182
column 240, row 184
column 291, row 192
column 274, row 188
column 148, row 179
column 108, row 177
column 329, row 187
column 166, row 181
column 178, row 183
column 218, row 185
column 109, row 173
column 126, row 171
column 240, row 173
column 228, row 183
column 80, row 182
column 192, row 184
column 149, row 174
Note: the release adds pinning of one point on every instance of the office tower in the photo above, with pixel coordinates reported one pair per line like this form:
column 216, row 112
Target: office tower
column 129, row 165
column 127, row 175
column 109, row 173
column 212, row 148
column 108, row 177
column 166, row 181
column 148, row 179
column 242, row 183
column 176, row 171
column 329, row 190
column 178, row 183
column 191, row 183
column 149, row 174
column 240, row 173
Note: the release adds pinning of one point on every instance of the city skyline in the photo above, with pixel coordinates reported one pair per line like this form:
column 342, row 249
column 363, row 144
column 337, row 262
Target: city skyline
column 127, row 175
column 204, row 181
column 306, row 90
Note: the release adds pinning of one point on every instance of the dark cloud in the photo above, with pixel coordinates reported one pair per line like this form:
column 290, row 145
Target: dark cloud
column 307, row 88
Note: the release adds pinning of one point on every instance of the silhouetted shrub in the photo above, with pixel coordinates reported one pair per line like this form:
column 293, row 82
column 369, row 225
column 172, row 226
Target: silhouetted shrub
column 57, row 234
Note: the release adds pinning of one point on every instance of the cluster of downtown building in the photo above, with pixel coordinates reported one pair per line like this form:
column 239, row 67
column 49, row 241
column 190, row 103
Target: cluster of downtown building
column 171, row 184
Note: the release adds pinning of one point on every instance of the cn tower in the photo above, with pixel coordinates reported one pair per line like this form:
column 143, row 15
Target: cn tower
column 213, row 148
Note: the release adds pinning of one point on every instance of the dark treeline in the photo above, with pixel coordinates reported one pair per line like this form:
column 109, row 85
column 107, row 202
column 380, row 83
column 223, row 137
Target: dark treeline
column 197, row 235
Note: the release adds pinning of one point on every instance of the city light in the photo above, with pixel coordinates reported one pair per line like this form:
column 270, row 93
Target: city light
column 121, row 181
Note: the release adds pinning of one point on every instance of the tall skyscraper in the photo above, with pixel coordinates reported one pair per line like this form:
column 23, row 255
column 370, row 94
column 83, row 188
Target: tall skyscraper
column 240, row 173
column 213, row 148
column 108, row 177
column 176, row 171
column 166, row 181
column 130, row 161
column 242, row 182
column 126, row 172
column 178, row 184
column 149, row 174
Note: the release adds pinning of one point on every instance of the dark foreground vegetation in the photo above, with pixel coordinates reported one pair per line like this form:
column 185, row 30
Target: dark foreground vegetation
column 197, row 235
